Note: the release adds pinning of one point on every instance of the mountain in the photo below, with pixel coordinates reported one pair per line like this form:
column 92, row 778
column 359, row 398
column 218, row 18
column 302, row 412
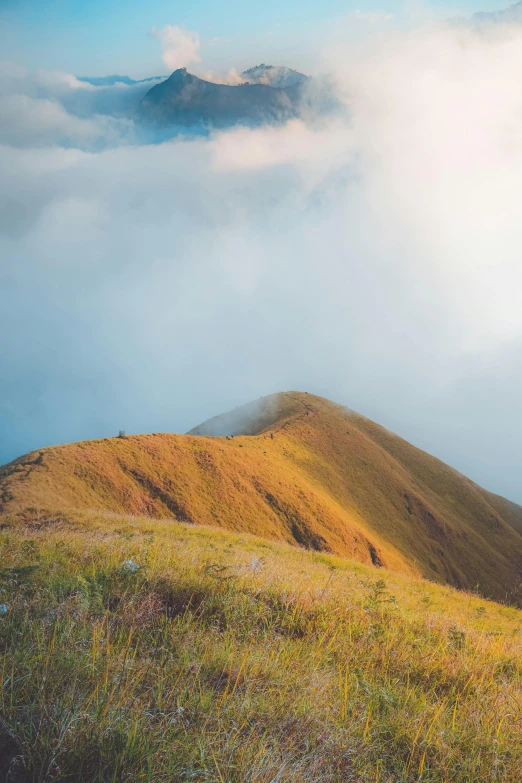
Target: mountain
column 510, row 15
column 184, row 99
column 274, row 75
column 482, row 21
column 110, row 81
column 296, row 468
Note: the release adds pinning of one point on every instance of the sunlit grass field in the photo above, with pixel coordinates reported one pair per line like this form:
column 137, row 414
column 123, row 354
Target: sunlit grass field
column 140, row 649
column 308, row 472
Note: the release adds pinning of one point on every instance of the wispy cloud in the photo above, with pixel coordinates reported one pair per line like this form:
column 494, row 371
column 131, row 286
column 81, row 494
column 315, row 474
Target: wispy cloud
column 231, row 77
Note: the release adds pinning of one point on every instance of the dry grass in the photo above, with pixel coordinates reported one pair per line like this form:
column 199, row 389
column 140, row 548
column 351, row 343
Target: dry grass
column 308, row 472
column 227, row 659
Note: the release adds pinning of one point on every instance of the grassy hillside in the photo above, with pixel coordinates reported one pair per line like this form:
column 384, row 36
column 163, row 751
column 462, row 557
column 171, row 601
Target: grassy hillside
column 300, row 469
column 221, row 658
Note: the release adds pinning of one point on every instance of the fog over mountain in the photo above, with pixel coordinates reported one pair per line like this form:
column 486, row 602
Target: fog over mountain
column 110, row 81
column 371, row 255
column 510, row 15
column 278, row 76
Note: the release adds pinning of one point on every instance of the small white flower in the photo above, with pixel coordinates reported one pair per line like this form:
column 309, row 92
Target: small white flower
column 3, row 608
column 130, row 566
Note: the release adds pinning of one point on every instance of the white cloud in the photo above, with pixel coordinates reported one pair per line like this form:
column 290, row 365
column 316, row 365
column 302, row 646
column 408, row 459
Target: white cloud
column 231, row 77
column 179, row 47
column 373, row 258
column 46, row 108
column 34, row 122
column 17, row 80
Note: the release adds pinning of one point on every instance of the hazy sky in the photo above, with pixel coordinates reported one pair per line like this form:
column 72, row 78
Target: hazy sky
column 110, row 36
column 372, row 256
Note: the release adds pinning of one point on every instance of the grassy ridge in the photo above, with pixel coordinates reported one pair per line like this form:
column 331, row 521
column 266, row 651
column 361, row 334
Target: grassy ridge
column 304, row 471
column 229, row 659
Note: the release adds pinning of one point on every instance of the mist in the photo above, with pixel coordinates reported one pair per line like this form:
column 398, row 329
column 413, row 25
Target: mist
column 371, row 256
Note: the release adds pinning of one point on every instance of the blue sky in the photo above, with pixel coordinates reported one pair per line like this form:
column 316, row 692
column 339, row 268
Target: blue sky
column 99, row 37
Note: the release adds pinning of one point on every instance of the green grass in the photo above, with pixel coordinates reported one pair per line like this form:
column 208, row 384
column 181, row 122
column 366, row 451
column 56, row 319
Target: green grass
column 228, row 659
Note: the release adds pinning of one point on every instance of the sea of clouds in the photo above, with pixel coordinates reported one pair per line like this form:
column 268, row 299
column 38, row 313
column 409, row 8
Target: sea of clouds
column 372, row 256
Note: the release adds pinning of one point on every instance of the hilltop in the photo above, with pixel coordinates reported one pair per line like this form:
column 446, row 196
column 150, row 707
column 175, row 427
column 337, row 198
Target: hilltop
column 274, row 75
column 298, row 469
column 185, row 99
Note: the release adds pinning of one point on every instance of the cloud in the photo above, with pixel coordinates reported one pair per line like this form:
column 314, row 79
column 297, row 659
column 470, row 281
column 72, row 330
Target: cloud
column 26, row 121
column 371, row 17
column 371, row 256
column 48, row 108
column 179, row 47
column 35, row 122
column 15, row 79
column 231, row 77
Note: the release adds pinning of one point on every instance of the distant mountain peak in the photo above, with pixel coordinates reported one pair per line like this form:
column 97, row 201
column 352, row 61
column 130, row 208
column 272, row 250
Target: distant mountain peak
column 297, row 468
column 113, row 79
column 186, row 100
column 278, row 76
column 484, row 20
column 181, row 74
column 512, row 13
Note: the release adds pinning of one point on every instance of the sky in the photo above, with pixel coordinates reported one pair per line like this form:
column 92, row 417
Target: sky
column 371, row 255
column 111, row 36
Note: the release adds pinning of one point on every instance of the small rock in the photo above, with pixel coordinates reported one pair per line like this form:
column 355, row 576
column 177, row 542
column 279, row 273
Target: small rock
column 130, row 566
column 255, row 564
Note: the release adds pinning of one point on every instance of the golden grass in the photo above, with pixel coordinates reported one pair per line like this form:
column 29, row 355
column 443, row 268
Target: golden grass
column 230, row 659
column 307, row 472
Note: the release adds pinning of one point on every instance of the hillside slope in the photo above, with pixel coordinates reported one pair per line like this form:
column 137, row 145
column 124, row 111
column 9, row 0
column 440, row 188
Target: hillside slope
column 224, row 658
column 300, row 469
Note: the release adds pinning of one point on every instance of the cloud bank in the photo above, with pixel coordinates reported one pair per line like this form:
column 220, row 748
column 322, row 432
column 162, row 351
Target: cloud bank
column 49, row 109
column 371, row 257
